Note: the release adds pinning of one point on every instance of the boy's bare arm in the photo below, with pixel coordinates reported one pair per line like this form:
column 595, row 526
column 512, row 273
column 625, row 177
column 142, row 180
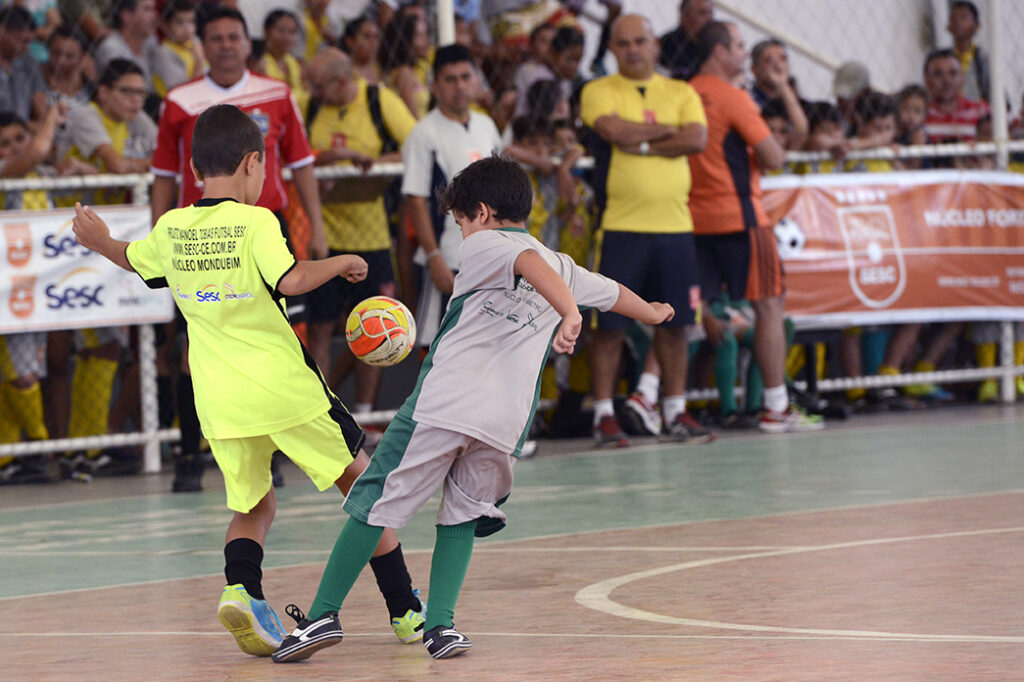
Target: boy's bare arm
column 631, row 305
column 555, row 291
column 92, row 233
column 309, row 274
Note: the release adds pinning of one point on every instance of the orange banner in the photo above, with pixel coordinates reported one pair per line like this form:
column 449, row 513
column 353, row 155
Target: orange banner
column 900, row 247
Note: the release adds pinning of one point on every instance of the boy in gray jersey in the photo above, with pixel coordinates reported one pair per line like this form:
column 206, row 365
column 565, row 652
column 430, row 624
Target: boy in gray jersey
column 466, row 420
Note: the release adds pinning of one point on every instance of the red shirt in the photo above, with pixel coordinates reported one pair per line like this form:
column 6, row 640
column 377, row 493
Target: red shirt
column 960, row 125
column 267, row 100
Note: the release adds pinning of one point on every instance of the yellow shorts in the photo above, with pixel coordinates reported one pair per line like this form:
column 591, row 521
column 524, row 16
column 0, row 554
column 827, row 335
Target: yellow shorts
column 320, row 447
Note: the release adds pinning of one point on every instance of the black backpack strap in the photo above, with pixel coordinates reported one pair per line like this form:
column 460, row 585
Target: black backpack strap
column 387, row 142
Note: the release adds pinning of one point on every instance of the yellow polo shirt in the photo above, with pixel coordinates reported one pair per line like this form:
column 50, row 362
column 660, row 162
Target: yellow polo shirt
column 642, row 193
column 359, row 225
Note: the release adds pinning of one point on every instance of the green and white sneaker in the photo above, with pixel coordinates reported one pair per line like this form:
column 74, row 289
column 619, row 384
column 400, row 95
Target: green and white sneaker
column 253, row 622
column 793, row 420
column 409, row 628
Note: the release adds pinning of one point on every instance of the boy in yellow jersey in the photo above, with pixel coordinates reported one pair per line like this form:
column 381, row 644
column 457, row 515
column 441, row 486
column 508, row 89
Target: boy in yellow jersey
column 256, row 388
column 179, row 57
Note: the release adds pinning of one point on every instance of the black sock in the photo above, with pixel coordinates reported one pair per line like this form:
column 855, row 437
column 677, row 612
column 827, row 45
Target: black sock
column 394, row 582
column 189, row 421
column 164, row 401
column 243, row 559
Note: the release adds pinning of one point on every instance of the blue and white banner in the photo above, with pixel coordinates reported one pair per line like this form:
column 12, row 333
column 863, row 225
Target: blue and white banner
column 49, row 281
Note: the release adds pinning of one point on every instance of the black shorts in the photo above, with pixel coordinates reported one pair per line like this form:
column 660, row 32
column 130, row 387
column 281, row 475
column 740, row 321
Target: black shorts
column 658, row 267
column 334, row 300
column 744, row 264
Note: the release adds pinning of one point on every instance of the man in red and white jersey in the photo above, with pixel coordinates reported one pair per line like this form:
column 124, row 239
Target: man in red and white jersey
column 268, row 101
column 951, row 116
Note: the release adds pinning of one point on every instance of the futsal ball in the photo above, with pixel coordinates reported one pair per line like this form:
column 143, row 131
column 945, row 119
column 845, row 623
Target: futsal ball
column 380, row 331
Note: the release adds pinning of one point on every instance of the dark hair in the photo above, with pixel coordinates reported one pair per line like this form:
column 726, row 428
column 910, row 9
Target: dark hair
column 277, row 15
column 351, row 30
column 759, row 49
column 9, row 118
column 121, row 6
column 713, row 34
column 16, row 18
column 822, row 112
column 223, row 136
column 541, row 98
column 912, row 90
column 526, row 126
column 451, row 54
column 396, row 43
column 217, row 13
column 774, row 108
column 967, row 5
column 940, row 53
column 872, row 105
column 566, row 38
column 117, row 69
column 536, row 32
column 172, row 7
column 69, row 32
column 495, row 181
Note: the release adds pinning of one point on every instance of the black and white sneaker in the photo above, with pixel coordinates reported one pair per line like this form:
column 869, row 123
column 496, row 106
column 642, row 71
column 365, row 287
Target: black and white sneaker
column 442, row 642
column 308, row 637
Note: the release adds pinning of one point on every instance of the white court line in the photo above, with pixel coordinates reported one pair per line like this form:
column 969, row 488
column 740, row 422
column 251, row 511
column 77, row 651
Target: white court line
column 597, row 595
column 326, row 552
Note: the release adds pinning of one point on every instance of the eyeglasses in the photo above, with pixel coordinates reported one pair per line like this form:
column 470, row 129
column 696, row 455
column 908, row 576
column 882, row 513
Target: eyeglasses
column 131, row 92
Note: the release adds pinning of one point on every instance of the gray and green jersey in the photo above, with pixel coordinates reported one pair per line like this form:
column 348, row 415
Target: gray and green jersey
column 481, row 377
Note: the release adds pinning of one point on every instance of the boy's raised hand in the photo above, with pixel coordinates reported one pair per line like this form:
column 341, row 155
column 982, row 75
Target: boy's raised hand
column 353, row 268
column 568, row 332
column 89, row 228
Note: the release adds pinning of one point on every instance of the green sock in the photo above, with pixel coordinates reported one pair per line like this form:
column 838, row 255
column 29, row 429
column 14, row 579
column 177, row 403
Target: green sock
column 725, row 372
column 452, row 549
column 351, row 553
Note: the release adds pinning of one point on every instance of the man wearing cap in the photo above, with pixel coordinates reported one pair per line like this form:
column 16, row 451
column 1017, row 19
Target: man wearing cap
column 850, row 80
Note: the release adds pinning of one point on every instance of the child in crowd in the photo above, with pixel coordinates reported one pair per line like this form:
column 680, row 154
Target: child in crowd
column 179, row 57
column 875, row 113
column 464, row 424
column 825, row 125
column 257, row 390
column 22, row 356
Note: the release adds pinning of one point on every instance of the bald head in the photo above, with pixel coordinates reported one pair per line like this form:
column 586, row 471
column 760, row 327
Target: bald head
column 635, row 46
column 330, row 74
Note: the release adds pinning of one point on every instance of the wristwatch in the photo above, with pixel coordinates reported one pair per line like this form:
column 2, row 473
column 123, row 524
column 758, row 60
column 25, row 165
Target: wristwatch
column 645, row 148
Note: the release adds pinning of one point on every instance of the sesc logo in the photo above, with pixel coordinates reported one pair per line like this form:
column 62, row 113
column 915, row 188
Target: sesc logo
column 22, row 300
column 56, row 245
column 208, row 294
column 66, row 294
column 19, row 243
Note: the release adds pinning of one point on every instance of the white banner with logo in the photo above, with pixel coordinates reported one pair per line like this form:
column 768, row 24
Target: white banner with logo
column 49, row 281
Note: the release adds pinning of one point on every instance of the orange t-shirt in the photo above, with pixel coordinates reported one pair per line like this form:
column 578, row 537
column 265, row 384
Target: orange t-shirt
column 725, row 195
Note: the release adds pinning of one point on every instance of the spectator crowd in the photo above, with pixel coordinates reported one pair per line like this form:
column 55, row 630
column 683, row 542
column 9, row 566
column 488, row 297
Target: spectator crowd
column 686, row 125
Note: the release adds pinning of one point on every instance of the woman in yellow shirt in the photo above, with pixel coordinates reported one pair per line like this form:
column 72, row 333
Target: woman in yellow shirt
column 281, row 30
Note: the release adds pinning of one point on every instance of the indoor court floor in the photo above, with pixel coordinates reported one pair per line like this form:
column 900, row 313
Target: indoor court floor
column 888, row 547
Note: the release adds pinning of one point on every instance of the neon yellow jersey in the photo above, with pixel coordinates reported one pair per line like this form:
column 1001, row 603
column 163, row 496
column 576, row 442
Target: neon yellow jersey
column 223, row 261
column 290, row 74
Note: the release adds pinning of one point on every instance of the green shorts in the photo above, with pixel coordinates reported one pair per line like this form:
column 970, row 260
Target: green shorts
column 322, row 447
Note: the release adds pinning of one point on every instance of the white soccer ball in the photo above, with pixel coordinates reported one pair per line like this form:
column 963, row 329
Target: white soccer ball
column 790, row 238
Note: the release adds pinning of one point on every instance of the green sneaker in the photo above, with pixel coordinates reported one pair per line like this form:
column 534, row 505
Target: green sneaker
column 988, row 391
column 409, row 628
column 253, row 622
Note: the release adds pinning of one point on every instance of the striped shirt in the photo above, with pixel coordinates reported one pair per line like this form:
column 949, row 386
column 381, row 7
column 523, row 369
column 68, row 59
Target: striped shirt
column 960, row 125
column 268, row 102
